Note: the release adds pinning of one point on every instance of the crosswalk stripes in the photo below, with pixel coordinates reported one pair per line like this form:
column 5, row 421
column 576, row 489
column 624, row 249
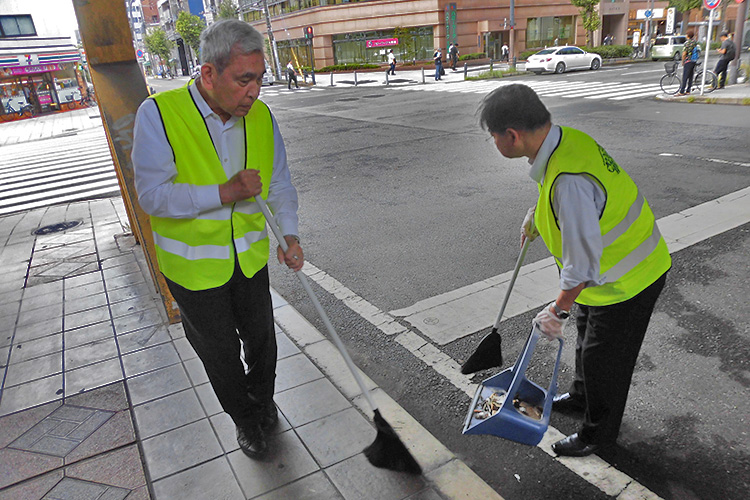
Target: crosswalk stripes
column 569, row 89
column 57, row 170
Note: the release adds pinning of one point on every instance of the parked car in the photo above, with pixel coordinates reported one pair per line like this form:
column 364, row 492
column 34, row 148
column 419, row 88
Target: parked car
column 268, row 78
column 668, row 47
column 562, row 59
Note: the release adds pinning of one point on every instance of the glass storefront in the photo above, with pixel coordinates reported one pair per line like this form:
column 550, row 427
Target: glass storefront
column 295, row 50
column 550, row 31
column 413, row 43
column 45, row 90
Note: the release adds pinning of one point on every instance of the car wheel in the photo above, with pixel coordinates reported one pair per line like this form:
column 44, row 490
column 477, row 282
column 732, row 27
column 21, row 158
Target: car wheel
column 595, row 64
column 676, row 56
column 560, row 68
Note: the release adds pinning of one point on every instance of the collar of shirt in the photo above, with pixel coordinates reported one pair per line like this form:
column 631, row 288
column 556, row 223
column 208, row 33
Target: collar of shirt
column 206, row 110
column 539, row 164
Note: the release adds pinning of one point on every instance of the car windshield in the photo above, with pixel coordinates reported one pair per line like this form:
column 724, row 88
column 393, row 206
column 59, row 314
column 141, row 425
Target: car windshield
column 545, row 51
column 662, row 41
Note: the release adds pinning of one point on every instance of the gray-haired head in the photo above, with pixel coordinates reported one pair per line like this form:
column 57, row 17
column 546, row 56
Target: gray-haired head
column 221, row 38
column 512, row 106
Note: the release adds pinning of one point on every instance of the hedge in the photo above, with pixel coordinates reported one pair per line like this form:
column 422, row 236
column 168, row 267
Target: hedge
column 610, row 51
column 474, row 55
column 347, row 67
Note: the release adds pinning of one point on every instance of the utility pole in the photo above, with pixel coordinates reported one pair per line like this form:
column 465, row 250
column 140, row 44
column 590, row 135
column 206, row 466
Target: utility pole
column 271, row 39
column 512, row 55
column 739, row 32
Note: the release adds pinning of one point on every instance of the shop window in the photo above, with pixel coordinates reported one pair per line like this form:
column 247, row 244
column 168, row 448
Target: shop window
column 20, row 25
column 548, row 31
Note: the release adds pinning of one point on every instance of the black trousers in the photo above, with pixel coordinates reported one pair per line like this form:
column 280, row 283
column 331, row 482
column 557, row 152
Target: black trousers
column 687, row 77
column 609, row 340
column 721, row 71
column 215, row 320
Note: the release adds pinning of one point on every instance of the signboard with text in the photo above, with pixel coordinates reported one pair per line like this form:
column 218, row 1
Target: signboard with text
column 383, row 42
column 450, row 24
column 30, row 70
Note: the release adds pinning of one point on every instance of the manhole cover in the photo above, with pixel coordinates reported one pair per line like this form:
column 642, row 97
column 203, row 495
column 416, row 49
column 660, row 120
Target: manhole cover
column 57, row 228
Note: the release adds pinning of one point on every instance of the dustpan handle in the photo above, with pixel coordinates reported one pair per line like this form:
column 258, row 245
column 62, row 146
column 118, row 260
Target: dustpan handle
column 519, row 262
column 552, row 390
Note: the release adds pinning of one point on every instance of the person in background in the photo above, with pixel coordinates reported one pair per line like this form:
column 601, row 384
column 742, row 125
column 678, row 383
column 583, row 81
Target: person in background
column 728, row 52
column 690, row 54
column 438, row 58
column 202, row 153
column 611, row 256
column 291, row 76
column 453, row 53
column 391, row 63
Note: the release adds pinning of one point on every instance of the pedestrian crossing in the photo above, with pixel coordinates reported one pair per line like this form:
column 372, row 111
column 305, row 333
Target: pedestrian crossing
column 569, row 89
column 57, row 170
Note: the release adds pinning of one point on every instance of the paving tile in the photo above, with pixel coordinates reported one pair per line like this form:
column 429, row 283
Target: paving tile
column 295, row 370
column 17, row 465
column 208, row 399
column 138, row 320
column 140, row 494
column 88, row 334
column 92, row 376
column 13, row 426
column 226, row 431
column 11, row 296
column 176, row 331
column 86, row 318
column 23, row 351
column 195, row 371
column 167, row 413
column 4, row 355
column 157, row 384
column 184, row 349
column 191, row 484
column 115, row 433
column 134, row 305
column 87, row 354
column 74, row 282
column 357, row 478
column 43, row 307
column 109, row 397
column 86, row 289
column 287, row 461
column 121, row 468
column 10, row 309
column 123, row 269
column 310, row 402
column 431, row 494
column 337, row 437
column 141, row 339
column 31, row 394
column 150, row 359
column 127, row 291
column 83, row 303
column 37, row 330
column 180, row 449
column 42, row 289
column 70, row 489
column 126, row 280
column 313, row 487
column 33, row 369
column 454, row 480
column 32, row 489
column 120, row 260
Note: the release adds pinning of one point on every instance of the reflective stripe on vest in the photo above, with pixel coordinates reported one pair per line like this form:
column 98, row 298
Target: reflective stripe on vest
column 199, row 253
column 634, row 253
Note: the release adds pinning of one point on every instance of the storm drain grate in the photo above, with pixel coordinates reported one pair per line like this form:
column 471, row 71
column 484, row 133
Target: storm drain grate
column 57, row 228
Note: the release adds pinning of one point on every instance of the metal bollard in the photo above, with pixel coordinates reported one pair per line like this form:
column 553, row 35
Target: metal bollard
column 331, row 78
column 387, row 80
column 466, row 70
column 492, row 65
column 422, row 75
column 355, row 77
column 313, row 75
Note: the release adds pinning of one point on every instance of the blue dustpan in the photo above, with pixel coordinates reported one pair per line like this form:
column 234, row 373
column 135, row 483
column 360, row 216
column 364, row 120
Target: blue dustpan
column 508, row 422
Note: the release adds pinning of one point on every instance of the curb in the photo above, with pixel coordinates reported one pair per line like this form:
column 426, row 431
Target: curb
column 698, row 99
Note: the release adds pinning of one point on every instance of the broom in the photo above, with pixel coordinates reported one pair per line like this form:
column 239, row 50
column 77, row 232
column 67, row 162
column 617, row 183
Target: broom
column 387, row 451
column 488, row 353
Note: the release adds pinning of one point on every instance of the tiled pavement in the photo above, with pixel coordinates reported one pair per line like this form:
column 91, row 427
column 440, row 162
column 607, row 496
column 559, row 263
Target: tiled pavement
column 102, row 399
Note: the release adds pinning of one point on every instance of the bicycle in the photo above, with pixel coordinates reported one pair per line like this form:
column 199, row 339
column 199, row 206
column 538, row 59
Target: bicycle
column 671, row 82
column 80, row 101
column 24, row 111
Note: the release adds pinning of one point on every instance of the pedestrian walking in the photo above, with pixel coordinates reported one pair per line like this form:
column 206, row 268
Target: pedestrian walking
column 391, row 63
column 504, row 53
column 454, row 56
column 291, row 76
column 691, row 52
column 438, row 58
column 201, row 154
column 728, row 52
column 611, row 257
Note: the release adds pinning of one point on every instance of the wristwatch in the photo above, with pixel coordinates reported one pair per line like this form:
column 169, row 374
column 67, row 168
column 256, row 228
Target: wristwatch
column 559, row 312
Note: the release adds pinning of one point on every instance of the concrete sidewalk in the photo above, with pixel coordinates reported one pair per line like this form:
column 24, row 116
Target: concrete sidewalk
column 102, row 398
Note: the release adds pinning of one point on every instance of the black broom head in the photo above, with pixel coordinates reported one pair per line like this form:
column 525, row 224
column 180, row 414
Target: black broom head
column 488, row 354
column 388, row 452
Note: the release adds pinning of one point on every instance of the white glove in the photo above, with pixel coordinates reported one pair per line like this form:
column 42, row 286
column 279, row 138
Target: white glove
column 549, row 324
column 528, row 229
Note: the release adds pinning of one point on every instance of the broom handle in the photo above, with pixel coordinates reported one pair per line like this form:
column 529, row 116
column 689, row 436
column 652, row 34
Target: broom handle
column 519, row 262
column 321, row 312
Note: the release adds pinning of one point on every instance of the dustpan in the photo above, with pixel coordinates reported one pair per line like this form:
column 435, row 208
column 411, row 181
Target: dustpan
column 508, row 422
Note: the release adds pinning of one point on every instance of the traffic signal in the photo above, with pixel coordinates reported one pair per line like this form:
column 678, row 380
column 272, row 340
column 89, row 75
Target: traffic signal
column 308, row 32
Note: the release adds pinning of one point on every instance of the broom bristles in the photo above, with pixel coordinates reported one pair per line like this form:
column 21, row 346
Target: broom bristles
column 488, row 354
column 388, row 452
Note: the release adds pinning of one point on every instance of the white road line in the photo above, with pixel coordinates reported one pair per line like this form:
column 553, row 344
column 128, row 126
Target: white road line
column 680, row 230
column 642, row 72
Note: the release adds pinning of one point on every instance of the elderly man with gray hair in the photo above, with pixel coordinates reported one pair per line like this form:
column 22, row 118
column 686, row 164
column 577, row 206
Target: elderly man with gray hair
column 201, row 154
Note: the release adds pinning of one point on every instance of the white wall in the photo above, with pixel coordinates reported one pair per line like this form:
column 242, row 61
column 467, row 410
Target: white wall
column 51, row 17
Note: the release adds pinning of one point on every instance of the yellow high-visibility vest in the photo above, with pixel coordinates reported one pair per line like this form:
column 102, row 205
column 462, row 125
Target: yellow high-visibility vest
column 199, row 253
column 635, row 254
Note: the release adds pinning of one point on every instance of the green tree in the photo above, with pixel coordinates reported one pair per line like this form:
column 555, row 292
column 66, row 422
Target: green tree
column 589, row 16
column 190, row 28
column 158, row 44
column 685, row 6
column 227, row 10
column 406, row 41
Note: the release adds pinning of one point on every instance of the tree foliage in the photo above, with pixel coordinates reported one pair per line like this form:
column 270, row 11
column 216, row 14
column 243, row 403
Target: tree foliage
column 190, row 28
column 589, row 17
column 685, row 5
column 227, row 10
column 158, row 44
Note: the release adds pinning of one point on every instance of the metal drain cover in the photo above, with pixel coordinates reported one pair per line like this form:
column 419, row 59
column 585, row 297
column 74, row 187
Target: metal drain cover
column 57, row 228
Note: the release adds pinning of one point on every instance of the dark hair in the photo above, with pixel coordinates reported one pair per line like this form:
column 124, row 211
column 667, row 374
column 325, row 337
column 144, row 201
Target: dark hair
column 725, row 34
column 512, row 106
column 690, row 33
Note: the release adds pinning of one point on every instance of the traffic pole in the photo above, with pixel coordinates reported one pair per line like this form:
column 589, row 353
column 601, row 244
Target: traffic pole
column 708, row 49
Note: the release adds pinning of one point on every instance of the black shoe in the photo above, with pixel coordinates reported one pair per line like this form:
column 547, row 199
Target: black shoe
column 269, row 416
column 572, row 446
column 252, row 441
column 565, row 403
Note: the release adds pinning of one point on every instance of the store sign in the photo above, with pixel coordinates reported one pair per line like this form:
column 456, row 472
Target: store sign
column 450, row 24
column 670, row 21
column 383, row 42
column 30, row 70
column 649, row 14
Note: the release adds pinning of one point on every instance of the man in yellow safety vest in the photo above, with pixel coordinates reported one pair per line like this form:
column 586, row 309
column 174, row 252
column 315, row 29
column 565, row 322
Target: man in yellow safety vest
column 611, row 257
column 201, row 154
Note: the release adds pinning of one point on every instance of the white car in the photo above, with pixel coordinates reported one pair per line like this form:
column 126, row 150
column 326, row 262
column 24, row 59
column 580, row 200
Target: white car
column 562, row 59
column 268, row 78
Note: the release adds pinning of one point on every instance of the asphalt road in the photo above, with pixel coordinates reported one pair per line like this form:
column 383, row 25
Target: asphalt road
column 403, row 197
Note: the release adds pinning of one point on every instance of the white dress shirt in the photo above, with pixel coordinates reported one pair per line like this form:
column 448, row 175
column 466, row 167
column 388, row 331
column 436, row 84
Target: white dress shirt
column 578, row 203
column 155, row 169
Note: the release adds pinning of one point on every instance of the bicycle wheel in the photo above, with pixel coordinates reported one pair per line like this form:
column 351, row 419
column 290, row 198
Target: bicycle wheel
column 670, row 83
column 711, row 82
